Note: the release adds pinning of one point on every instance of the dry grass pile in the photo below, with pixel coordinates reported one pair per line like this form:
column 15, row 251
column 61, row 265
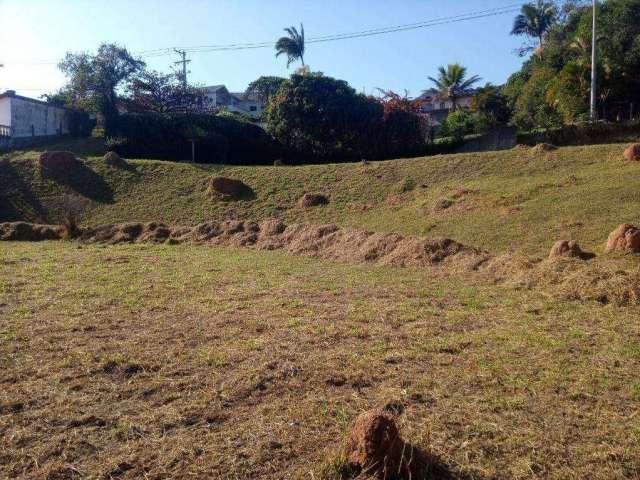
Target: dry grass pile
column 326, row 241
column 30, row 232
column 565, row 275
column 568, row 278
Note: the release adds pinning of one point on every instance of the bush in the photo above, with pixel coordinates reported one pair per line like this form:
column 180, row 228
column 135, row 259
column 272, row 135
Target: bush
column 218, row 139
column 458, row 124
column 324, row 119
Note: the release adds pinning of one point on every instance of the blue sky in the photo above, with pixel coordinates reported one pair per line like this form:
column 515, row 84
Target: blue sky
column 34, row 34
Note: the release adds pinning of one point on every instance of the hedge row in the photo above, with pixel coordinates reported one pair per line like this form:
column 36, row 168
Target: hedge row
column 217, row 139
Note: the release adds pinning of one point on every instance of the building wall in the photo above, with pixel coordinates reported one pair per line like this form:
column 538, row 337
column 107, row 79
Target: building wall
column 5, row 111
column 37, row 119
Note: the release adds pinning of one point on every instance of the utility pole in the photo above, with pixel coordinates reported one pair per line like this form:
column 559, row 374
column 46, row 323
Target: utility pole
column 184, row 62
column 594, row 69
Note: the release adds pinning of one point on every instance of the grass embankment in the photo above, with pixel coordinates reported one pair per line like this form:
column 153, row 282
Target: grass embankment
column 192, row 361
column 499, row 201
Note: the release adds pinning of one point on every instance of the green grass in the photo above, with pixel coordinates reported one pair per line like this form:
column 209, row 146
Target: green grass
column 195, row 361
column 516, row 201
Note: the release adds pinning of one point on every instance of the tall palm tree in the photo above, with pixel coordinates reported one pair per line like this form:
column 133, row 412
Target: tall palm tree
column 452, row 82
column 535, row 20
column 292, row 45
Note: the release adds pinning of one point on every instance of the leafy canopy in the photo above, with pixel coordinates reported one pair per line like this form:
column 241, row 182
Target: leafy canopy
column 94, row 80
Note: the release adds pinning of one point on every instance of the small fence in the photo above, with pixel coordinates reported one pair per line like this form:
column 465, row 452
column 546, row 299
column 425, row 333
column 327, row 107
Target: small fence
column 5, row 131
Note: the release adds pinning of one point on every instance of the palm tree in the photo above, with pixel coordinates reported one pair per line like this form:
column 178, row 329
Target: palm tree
column 535, row 20
column 453, row 84
column 292, row 45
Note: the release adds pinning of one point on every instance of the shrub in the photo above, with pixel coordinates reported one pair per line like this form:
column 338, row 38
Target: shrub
column 458, row 124
column 218, row 139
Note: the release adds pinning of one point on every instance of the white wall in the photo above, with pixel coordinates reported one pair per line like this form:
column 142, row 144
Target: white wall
column 5, row 111
column 37, row 119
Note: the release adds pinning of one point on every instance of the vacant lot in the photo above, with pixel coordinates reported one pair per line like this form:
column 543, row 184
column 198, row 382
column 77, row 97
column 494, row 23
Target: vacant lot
column 201, row 361
column 189, row 361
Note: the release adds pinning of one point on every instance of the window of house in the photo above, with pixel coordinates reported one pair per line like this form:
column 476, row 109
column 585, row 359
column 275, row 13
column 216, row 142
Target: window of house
column 253, row 108
column 443, row 106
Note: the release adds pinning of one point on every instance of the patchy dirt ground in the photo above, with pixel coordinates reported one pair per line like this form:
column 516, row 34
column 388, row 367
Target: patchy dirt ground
column 187, row 361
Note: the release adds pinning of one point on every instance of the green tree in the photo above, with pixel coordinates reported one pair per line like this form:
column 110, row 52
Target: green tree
column 531, row 108
column 265, row 87
column 293, row 45
column 321, row 117
column 452, row 82
column 568, row 92
column 94, row 80
column 151, row 91
column 534, row 21
column 491, row 106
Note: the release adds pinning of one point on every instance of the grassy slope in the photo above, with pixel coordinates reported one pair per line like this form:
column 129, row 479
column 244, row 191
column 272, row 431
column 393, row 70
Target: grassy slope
column 517, row 202
column 192, row 361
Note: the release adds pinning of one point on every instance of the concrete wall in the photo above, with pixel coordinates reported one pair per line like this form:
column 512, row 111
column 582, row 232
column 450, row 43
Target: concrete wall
column 499, row 139
column 37, row 119
column 5, row 111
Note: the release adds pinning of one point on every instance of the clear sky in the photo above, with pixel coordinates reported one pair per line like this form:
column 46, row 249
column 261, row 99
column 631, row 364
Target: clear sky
column 35, row 34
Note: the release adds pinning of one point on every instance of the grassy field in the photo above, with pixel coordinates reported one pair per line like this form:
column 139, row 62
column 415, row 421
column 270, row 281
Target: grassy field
column 195, row 361
column 146, row 361
column 502, row 201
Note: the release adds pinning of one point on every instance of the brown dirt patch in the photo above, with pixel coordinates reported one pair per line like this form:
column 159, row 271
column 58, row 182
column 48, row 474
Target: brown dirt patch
column 376, row 450
column 543, row 148
column 625, row 238
column 58, row 162
column 568, row 248
column 375, row 447
column 229, row 188
column 633, row 152
column 309, row 200
column 113, row 159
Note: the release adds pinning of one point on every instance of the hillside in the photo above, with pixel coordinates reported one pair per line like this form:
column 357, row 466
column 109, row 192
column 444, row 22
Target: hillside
column 500, row 201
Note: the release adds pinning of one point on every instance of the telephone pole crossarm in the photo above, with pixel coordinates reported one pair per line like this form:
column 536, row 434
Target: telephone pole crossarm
column 183, row 62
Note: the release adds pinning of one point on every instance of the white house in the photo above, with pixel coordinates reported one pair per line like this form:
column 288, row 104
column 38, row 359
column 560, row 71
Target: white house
column 439, row 107
column 220, row 97
column 23, row 117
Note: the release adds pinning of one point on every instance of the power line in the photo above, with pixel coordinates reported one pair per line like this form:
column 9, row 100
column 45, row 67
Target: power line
column 161, row 52
column 184, row 62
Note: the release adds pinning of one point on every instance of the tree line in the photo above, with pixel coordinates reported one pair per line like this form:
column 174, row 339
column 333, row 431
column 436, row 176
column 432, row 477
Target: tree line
column 550, row 90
